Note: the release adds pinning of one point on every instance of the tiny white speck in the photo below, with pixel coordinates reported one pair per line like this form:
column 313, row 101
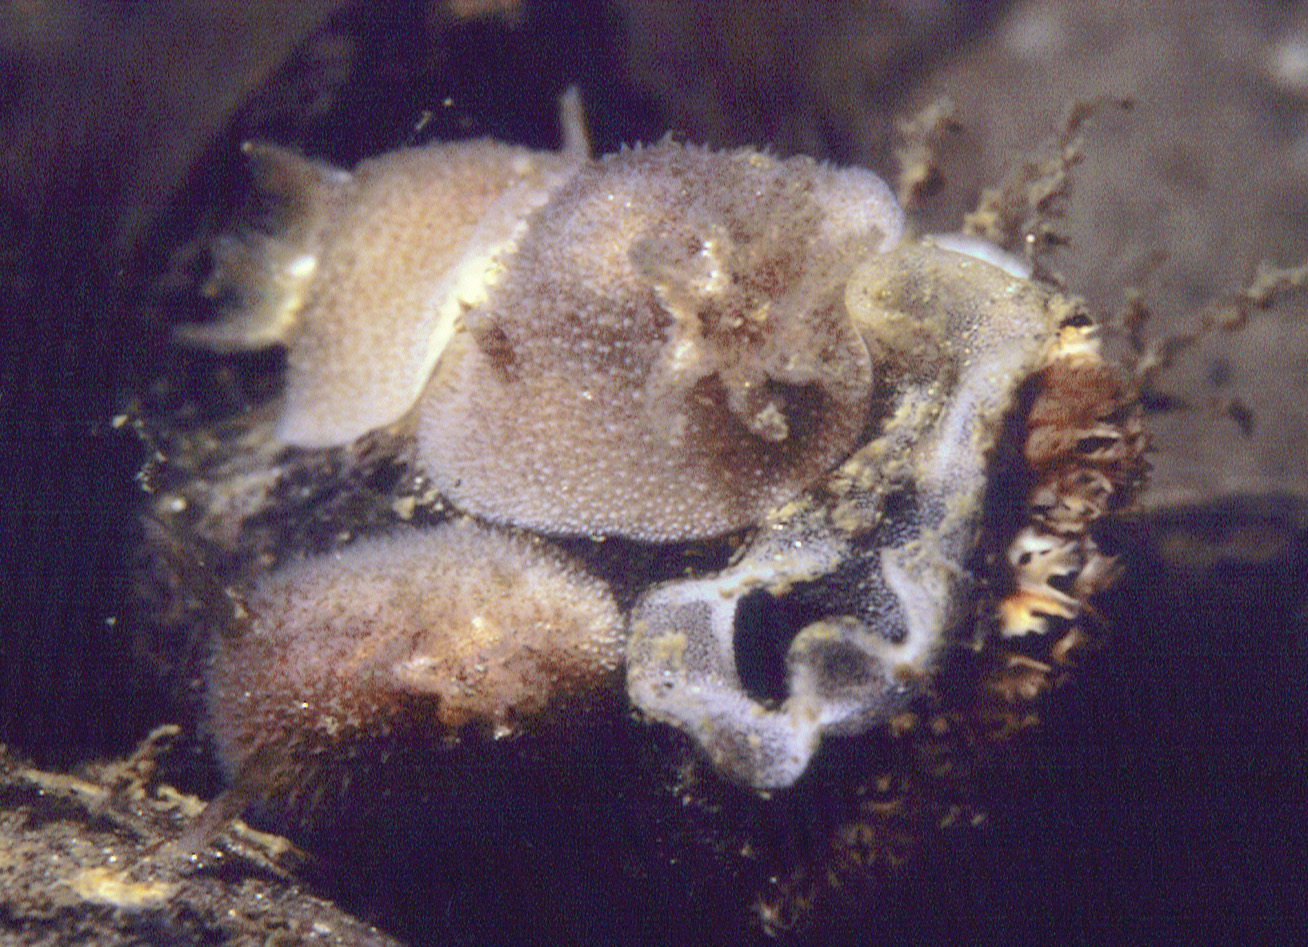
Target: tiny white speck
column 302, row 266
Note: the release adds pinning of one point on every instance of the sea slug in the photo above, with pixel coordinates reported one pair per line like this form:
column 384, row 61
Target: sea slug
column 665, row 346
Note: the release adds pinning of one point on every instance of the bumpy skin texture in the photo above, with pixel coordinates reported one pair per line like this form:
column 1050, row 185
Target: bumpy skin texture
column 875, row 563
column 415, row 243
column 669, row 354
column 365, row 282
column 458, row 624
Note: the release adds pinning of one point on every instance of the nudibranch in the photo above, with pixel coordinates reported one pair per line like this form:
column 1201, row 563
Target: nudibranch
column 666, row 346
column 669, row 356
column 479, row 624
column 384, row 259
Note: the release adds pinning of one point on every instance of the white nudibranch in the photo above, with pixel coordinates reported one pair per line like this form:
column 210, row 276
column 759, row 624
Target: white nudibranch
column 673, row 344
column 668, row 355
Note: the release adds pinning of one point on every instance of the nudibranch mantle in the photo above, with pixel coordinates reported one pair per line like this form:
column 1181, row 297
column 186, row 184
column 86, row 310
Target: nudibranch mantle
column 668, row 356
